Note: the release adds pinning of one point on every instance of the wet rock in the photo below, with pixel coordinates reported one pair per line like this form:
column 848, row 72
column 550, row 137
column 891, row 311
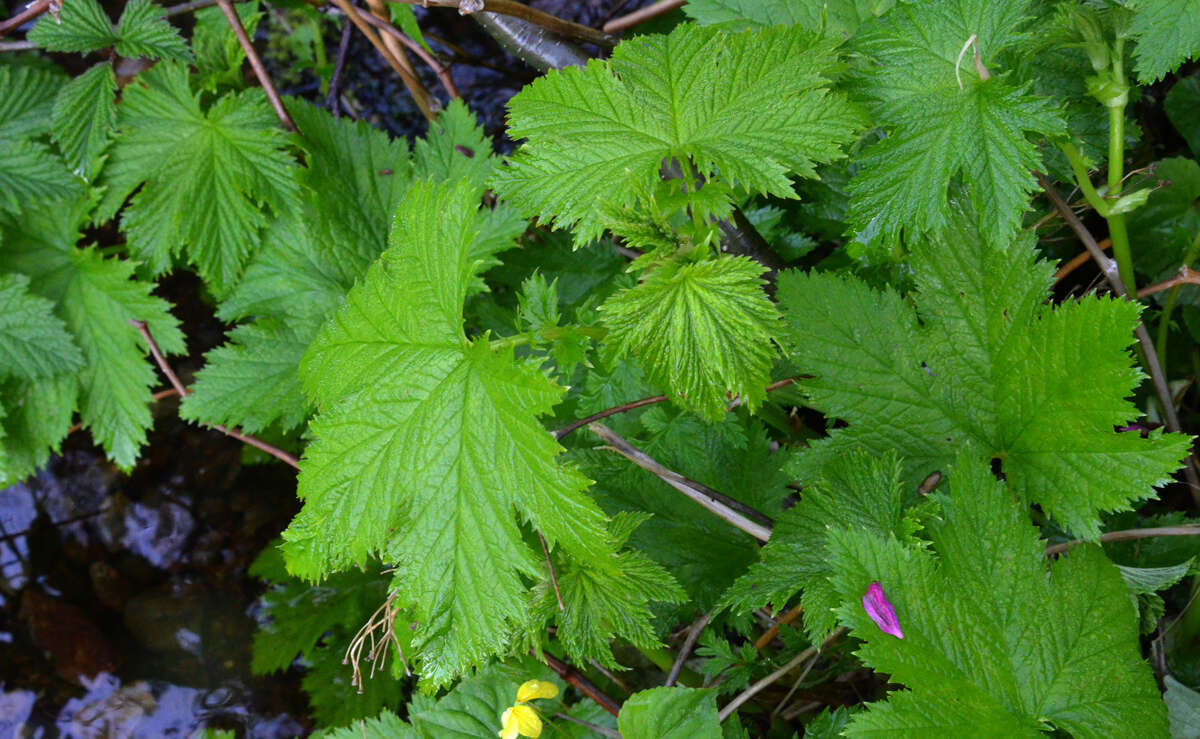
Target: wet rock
column 78, row 649
column 168, row 619
column 110, row 587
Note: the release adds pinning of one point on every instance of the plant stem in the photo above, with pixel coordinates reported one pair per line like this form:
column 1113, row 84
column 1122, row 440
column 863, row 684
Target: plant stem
column 547, row 334
column 796, row 661
column 264, row 79
column 1128, row 535
column 688, row 644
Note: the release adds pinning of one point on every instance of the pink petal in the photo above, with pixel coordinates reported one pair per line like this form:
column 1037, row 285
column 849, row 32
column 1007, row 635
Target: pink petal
column 879, row 608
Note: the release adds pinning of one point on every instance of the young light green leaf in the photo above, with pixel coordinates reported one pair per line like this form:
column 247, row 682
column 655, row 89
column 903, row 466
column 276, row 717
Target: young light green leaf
column 1038, row 387
column 426, row 443
column 943, row 122
column 85, row 116
column 670, row 713
column 144, row 31
column 974, row 662
column 205, row 174
column 81, row 25
column 751, row 107
column 1167, row 33
column 34, row 343
column 858, row 491
column 700, row 330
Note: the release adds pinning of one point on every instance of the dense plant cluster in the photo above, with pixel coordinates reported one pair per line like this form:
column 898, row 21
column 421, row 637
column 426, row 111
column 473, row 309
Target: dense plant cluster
column 758, row 327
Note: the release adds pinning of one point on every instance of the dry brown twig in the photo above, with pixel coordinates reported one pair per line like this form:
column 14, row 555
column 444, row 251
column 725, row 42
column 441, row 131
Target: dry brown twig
column 31, row 11
column 382, row 620
column 394, row 34
column 629, row 20
column 264, row 79
column 420, row 95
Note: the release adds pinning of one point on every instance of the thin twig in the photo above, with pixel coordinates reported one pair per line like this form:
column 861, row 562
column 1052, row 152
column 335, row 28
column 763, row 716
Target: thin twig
column 553, row 577
column 17, row 46
column 795, row 686
column 652, row 10
column 597, row 728
column 1186, row 276
column 552, row 23
column 183, row 392
column 734, row 512
column 758, row 687
column 1109, row 268
column 633, row 405
column 379, row 11
column 407, row 75
column 339, row 68
column 773, row 631
column 1128, row 535
column 264, row 79
column 1078, row 261
column 688, row 644
column 609, row 674
column 31, row 11
column 581, row 683
column 442, row 73
column 189, row 7
column 168, row 393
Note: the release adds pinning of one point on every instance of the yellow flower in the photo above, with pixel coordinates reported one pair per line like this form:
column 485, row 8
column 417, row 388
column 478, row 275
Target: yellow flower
column 532, row 689
column 521, row 719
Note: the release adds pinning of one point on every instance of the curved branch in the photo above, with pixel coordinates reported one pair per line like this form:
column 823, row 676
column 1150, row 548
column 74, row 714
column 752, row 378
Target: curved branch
column 1128, row 535
column 31, row 11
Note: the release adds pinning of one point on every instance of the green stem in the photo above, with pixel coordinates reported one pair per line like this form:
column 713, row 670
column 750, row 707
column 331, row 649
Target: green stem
column 1164, row 321
column 547, row 334
column 1116, row 173
column 1079, row 167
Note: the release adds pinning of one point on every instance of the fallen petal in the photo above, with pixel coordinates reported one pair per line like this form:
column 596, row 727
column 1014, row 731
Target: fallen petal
column 880, row 609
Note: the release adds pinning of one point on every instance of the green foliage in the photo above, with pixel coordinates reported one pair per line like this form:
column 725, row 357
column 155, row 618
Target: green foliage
column 670, row 713
column 203, row 175
column 859, row 491
column 752, row 107
column 1183, row 708
column 945, row 124
column 83, row 26
column 700, row 330
column 411, row 412
column 1039, row 388
column 30, row 175
column 85, row 116
column 837, row 19
column 970, row 657
column 1167, row 33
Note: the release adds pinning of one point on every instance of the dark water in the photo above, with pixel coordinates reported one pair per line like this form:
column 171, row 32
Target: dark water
column 125, row 608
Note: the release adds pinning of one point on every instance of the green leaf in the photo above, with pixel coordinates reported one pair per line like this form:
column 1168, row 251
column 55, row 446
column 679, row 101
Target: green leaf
column 205, row 175
column 31, row 176
column 34, row 343
column 81, row 25
column 701, row 330
column 603, row 603
column 1038, row 387
column 670, row 713
column 27, row 101
column 943, row 123
column 144, row 31
column 85, row 116
column 252, row 382
column 752, row 107
column 425, row 444
column 858, row 491
column 1167, row 33
column 386, row 725
column 836, row 18
column 1183, row 709
column 219, row 55
column 974, row 661
column 1182, row 106
column 34, row 419
column 96, row 298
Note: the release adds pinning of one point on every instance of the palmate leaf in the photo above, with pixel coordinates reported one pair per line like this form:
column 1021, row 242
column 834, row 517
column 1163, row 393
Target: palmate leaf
column 205, row 175
column 700, row 330
column 96, row 298
column 26, row 102
column 427, row 442
column 943, row 122
column 82, row 25
column 974, row 661
column 30, row 175
column 1039, row 388
column 1167, row 33
column 34, row 343
column 752, row 107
